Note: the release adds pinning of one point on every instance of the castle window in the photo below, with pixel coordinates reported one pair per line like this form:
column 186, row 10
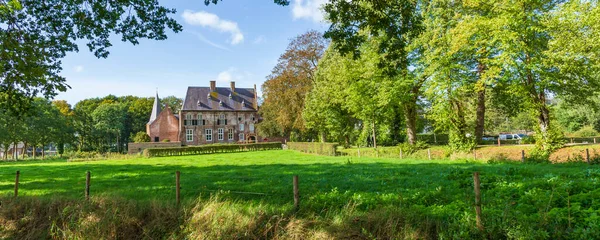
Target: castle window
column 230, row 133
column 189, row 135
column 241, row 127
column 241, row 137
column 251, row 127
column 220, row 134
column 208, row 133
column 222, row 120
column 188, row 119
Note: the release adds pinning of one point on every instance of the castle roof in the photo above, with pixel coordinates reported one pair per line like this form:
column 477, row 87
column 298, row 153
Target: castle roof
column 221, row 99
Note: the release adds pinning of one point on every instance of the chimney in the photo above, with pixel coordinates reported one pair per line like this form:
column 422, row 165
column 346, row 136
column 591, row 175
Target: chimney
column 213, row 86
column 232, row 86
column 255, row 103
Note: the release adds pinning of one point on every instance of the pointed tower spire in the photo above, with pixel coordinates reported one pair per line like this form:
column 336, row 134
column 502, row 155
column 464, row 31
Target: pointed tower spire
column 155, row 108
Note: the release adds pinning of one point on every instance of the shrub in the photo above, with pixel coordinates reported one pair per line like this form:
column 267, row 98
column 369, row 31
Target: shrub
column 213, row 148
column 314, row 147
column 166, row 140
column 586, row 131
column 410, row 148
column 140, row 137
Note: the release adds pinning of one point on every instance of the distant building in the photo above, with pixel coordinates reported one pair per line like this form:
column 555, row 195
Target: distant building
column 208, row 115
column 163, row 124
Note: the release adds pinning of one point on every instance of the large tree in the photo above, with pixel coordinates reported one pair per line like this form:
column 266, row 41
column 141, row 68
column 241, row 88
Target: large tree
column 550, row 48
column 397, row 23
column 291, row 79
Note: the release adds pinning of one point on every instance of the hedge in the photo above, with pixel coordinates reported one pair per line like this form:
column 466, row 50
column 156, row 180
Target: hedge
column 314, row 147
column 213, row 148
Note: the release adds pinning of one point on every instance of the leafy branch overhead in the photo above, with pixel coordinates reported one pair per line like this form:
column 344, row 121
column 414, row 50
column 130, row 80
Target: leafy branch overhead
column 36, row 35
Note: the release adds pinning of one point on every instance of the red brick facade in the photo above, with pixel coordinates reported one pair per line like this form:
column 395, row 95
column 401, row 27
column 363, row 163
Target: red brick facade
column 164, row 127
column 206, row 127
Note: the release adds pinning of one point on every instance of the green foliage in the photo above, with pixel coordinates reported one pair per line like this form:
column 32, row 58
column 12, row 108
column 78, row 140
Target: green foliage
column 36, row 36
column 140, row 137
column 409, row 149
column 329, row 149
column 208, row 149
column 586, row 131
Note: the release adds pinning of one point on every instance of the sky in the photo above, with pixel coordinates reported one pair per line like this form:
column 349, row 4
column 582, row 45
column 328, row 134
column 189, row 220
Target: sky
column 235, row 40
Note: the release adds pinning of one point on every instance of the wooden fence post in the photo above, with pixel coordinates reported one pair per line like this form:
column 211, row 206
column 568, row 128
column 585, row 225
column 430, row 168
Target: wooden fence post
column 594, row 140
column 523, row 156
column 475, row 154
column 477, row 200
column 358, row 150
column 498, row 141
column 429, row 153
column 587, row 155
column 400, row 153
column 177, row 187
column 571, row 140
column 87, row 185
column 17, row 183
column 296, row 193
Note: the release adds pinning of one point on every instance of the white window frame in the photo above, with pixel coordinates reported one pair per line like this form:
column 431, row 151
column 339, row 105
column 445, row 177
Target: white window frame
column 188, row 119
column 220, row 134
column 251, row 127
column 242, row 137
column 189, row 135
column 230, row 133
column 241, row 126
column 208, row 134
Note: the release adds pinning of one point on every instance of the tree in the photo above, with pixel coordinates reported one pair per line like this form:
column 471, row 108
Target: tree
column 110, row 118
column 173, row 102
column 36, row 35
column 291, row 79
column 141, row 137
column 397, row 23
column 550, row 48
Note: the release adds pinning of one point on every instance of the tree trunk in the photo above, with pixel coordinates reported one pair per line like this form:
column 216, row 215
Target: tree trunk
column 34, row 151
column 323, row 137
column 347, row 140
column 374, row 135
column 480, row 116
column 16, row 151
column 410, row 114
column 43, row 151
column 25, row 150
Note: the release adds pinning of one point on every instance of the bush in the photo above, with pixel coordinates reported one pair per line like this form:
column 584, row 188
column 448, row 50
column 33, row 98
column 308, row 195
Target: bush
column 314, row 147
column 586, row 131
column 410, row 149
column 166, row 140
column 213, row 148
column 140, row 137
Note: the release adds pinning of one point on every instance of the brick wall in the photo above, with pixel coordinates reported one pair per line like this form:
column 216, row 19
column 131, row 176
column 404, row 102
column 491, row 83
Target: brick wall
column 139, row 147
column 211, row 122
column 165, row 127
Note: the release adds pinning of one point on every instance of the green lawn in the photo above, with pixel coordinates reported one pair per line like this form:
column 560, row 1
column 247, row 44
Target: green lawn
column 523, row 197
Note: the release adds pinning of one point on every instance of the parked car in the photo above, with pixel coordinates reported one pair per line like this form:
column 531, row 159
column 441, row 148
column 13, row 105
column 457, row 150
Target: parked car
column 512, row 136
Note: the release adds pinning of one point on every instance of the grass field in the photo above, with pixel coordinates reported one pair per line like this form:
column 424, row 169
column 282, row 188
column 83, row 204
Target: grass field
column 341, row 196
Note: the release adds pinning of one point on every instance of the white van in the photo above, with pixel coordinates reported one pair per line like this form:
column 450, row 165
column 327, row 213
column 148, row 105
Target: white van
column 512, row 136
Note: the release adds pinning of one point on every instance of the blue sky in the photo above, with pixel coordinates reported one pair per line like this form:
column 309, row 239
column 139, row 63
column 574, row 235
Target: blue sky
column 235, row 40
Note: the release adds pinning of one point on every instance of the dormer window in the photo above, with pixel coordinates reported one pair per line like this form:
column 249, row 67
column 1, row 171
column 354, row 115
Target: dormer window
column 243, row 103
column 208, row 96
column 220, row 103
column 198, row 103
column 230, row 96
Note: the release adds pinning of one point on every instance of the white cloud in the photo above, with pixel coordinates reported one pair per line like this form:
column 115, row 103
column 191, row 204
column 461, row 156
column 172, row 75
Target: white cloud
column 78, row 68
column 308, row 9
column 224, row 76
column 206, row 19
column 233, row 74
column 260, row 39
column 204, row 39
